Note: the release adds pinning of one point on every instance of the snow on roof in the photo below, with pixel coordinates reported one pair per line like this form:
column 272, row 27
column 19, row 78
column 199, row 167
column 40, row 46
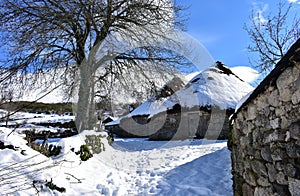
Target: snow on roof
column 241, row 102
column 245, row 73
column 190, row 76
column 115, row 122
column 109, row 117
column 217, row 86
column 149, row 107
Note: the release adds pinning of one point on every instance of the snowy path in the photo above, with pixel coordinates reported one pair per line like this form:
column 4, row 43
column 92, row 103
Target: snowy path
column 131, row 167
column 184, row 169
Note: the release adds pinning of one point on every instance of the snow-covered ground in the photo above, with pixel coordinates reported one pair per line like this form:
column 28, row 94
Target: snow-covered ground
column 30, row 121
column 128, row 167
column 23, row 117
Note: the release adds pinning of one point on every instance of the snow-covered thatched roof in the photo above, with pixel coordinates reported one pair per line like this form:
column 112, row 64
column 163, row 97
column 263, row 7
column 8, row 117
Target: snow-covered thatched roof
column 215, row 86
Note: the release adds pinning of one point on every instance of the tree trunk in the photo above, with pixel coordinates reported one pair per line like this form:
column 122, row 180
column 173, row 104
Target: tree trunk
column 85, row 116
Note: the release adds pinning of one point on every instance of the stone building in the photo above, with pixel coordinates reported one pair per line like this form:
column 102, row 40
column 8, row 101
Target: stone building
column 136, row 123
column 199, row 109
column 265, row 138
column 199, row 122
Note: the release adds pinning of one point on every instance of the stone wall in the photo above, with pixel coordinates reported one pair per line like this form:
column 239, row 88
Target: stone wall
column 176, row 124
column 190, row 123
column 266, row 140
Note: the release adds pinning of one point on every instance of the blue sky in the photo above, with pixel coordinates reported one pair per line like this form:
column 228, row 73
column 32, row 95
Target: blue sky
column 218, row 25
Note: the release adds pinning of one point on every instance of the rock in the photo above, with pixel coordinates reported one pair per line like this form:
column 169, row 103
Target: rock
column 294, row 186
column 272, row 137
column 276, row 154
column 257, row 155
column 248, row 129
column 285, row 79
column 271, row 172
column 258, row 121
column 280, row 179
column 292, row 150
column 281, row 189
column 261, row 103
column 252, row 112
column 279, row 111
column 240, row 115
column 244, row 141
column 267, row 111
column 275, row 123
column 259, row 191
column 288, row 136
column 296, row 97
column 263, row 182
column 285, row 123
column 249, row 177
column 259, row 168
column 296, row 85
column 298, row 65
column 247, row 190
column 290, row 170
column 287, row 107
column 296, row 73
column 273, row 98
column 285, row 95
column 278, row 166
column 257, row 137
column 266, row 154
column 295, row 131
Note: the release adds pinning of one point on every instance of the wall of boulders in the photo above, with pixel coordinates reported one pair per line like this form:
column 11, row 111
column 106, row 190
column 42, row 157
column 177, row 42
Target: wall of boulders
column 265, row 140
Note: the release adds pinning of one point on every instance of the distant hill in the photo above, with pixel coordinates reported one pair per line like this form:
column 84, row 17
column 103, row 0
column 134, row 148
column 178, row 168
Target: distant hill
column 26, row 106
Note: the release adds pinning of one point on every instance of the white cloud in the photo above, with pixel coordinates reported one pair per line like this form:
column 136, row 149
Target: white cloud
column 259, row 10
column 294, row 1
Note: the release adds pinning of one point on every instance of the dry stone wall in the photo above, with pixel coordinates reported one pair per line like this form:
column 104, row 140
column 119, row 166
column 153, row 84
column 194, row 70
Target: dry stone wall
column 266, row 140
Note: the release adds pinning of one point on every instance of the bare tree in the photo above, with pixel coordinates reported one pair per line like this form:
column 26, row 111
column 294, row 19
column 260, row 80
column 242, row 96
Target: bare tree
column 6, row 100
column 80, row 34
column 272, row 36
column 9, row 93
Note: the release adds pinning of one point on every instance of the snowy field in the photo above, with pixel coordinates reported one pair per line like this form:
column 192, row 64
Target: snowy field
column 128, row 167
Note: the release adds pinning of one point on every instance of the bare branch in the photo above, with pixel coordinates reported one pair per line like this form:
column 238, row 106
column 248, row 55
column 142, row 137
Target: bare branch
column 272, row 37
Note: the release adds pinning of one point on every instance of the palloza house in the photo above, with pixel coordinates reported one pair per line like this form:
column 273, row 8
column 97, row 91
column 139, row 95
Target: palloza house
column 199, row 109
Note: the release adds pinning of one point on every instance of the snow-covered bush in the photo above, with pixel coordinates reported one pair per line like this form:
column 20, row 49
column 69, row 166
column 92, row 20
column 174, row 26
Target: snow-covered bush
column 110, row 138
column 46, row 150
column 84, row 152
column 43, row 148
column 95, row 143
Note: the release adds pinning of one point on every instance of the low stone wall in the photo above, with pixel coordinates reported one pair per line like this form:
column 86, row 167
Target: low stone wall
column 266, row 140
